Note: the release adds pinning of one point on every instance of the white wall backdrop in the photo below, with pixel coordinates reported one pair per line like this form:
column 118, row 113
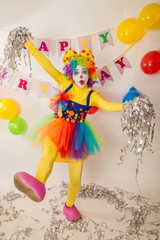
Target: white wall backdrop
column 70, row 19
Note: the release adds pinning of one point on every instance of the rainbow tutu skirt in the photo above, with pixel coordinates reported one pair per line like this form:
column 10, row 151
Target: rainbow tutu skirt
column 73, row 140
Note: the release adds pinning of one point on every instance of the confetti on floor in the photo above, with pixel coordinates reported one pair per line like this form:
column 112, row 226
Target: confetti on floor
column 107, row 215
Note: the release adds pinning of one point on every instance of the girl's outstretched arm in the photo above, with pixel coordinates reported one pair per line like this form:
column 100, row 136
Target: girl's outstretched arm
column 44, row 62
column 98, row 101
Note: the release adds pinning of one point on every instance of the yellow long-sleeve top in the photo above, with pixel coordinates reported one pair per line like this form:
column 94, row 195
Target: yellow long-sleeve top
column 78, row 95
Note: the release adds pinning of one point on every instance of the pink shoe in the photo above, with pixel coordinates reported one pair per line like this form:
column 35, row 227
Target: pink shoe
column 29, row 185
column 72, row 214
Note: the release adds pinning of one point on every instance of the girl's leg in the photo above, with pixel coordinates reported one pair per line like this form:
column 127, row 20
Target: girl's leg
column 34, row 187
column 75, row 173
column 49, row 154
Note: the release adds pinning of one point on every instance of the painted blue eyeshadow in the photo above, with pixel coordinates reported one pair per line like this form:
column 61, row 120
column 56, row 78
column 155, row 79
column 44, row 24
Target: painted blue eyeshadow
column 75, row 71
column 84, row 71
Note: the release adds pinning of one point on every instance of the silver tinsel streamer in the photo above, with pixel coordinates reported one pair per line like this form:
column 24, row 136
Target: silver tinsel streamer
column 14, row 49
column 1, row 80
column 135, row 211
column 138, row 121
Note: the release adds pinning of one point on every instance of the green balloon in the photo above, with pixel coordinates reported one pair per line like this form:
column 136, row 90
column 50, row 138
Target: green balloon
column 17, row 125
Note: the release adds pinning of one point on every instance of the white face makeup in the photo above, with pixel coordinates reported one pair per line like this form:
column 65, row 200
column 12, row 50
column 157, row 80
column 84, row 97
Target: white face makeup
column 80, row 76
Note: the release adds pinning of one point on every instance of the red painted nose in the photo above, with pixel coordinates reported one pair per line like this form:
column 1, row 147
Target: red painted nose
column 81, row 76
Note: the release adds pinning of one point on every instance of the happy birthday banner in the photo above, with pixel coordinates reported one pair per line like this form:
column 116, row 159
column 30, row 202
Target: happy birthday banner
column 23, row 84
column 104, row 37
column 44, row 46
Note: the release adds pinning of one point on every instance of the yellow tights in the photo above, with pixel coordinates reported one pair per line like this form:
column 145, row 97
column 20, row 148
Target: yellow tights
column 49, row 154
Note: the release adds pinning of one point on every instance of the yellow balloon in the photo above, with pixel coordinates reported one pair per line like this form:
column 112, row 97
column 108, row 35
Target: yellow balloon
column 129, row 31
column 150, row 16
column 8, row 109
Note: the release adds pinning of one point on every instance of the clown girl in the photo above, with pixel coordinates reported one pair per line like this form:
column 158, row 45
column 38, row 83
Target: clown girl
column 66, row 136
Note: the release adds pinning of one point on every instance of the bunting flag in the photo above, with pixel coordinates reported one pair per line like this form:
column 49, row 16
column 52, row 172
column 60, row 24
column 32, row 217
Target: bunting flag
column 63, row 45
column 6, row 77
column 44, row 89
column 84, row 42
column 23, row 85
column 104, row 74
column 43, row 45
column 121, row 63
column 105, row 37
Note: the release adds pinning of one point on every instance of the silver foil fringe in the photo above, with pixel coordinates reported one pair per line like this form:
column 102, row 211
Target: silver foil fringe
column 138, row 122
column 14, row 49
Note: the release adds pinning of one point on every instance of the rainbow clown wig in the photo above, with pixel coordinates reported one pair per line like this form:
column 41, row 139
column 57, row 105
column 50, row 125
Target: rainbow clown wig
column 85, row 59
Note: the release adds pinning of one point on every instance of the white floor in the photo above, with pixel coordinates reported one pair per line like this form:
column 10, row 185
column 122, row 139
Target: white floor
column 106, row 215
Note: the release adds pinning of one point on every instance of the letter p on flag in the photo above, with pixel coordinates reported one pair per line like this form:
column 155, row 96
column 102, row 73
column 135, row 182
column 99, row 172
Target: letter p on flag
column 84, row 42
column 63, row 45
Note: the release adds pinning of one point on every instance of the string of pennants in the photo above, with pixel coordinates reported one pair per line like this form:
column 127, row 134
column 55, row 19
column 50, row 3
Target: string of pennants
column 105, row 37
column 44, row 45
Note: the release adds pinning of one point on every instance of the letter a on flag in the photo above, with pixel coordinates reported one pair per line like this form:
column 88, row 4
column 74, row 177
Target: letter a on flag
column 43, row 45
column 104, row 74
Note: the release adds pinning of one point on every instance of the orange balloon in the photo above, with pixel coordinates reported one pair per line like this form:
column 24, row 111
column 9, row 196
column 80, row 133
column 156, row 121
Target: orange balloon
column 8, row 108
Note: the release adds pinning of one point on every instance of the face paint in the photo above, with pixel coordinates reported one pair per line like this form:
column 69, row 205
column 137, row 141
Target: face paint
column 80, row 76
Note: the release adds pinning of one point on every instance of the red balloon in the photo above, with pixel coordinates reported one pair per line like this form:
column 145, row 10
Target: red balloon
column 150, row 63
column 93, row 110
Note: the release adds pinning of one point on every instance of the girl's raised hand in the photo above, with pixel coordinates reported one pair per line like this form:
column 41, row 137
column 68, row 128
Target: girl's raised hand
column 26, row 39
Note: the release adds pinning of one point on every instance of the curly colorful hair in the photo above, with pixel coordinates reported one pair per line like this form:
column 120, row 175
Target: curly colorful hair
column 84, row 62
